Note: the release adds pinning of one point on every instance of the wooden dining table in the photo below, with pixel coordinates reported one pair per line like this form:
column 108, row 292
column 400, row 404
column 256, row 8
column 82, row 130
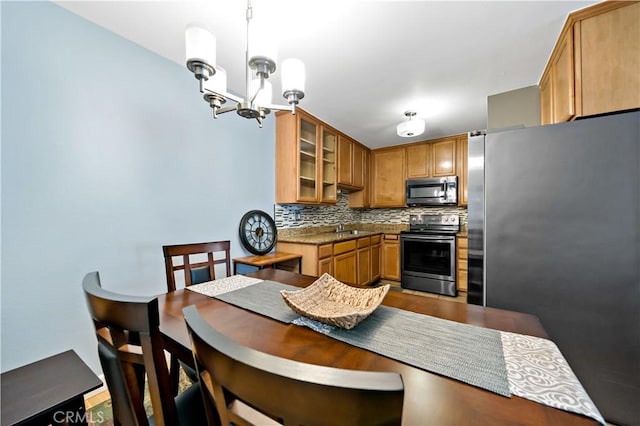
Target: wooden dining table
column 430, row 399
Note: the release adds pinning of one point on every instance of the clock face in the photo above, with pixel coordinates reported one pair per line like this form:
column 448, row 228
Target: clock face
column 257, row 232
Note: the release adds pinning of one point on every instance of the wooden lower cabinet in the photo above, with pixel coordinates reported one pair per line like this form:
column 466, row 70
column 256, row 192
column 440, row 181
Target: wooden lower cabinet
column 376, row 257
column 325, row 261
column 391, row 257
column 344, row 267
column 356, row 261
column 364, row 261
column 364, row 265
column 462, row 263
column 316, row 259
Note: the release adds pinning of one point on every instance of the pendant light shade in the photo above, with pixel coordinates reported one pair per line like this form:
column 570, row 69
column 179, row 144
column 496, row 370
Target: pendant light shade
column 412, row 127
column 265, row 95
column 200, row 45
column 293, row 75
column 218, row 82
column 261, row 43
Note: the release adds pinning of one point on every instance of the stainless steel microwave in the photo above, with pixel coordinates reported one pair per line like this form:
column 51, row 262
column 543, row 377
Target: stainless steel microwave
column 439, row 191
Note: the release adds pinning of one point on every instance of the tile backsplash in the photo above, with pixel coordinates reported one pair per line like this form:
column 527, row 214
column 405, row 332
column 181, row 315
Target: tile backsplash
column 298, row 216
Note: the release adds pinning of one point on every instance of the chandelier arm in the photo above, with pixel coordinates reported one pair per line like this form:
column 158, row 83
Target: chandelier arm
column 226, row 95
column 277, row 107
column 226, row 109
column 255, row 95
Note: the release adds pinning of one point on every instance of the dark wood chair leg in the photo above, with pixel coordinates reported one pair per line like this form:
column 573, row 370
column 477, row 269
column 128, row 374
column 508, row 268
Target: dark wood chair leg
column 174, row 374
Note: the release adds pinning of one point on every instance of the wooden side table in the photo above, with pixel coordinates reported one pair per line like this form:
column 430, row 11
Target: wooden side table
column 271, row 260
column 49, row 391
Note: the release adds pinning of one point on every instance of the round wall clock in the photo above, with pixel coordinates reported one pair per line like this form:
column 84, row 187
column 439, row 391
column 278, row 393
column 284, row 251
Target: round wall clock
column 257, row 232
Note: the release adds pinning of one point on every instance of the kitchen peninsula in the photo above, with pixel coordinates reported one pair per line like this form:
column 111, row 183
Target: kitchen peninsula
column 357, row 255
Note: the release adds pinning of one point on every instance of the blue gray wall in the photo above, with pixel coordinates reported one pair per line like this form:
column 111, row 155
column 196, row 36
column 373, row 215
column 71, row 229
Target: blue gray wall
column 108, row 152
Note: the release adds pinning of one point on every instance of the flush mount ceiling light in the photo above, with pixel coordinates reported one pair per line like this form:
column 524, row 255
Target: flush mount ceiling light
column 411, row 127
column 260, row 63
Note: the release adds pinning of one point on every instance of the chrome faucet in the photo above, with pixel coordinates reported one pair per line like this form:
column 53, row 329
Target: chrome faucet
column 340, row 228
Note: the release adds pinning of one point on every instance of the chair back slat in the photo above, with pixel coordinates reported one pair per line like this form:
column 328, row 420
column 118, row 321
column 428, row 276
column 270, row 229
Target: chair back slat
column 289, row 391
column 192, row 270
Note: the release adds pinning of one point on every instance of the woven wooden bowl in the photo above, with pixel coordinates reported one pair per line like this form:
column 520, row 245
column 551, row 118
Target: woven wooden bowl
column 331, row 302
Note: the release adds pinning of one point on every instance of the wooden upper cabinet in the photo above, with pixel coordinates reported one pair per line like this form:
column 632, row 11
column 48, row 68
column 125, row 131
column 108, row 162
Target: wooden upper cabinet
column 388, row 177
column 329, row 147
column 345, row 159
column 462, row 169
column 443, row 157
column 360, row 199
column 305, row 169
column 357, row 166
column 546, row 102
column 419, row 160
column 610, row 59
column 562, row 75
column 350, row 167
column 594, row 67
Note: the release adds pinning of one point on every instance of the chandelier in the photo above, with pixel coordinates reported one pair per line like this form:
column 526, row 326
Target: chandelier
column 260, row 63
column 410, row 128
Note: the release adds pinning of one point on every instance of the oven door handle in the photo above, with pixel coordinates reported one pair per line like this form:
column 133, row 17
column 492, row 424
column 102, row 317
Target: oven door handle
column 434, row 238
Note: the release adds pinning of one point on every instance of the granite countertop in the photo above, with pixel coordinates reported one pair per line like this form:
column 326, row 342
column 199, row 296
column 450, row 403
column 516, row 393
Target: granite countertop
column 325, row 237
column 327, row 234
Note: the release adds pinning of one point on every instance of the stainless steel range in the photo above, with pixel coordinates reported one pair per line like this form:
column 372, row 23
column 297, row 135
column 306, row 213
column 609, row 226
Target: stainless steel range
column 428, row 253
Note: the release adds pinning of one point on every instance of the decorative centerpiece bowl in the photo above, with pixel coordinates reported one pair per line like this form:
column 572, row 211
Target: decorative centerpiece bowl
column 331, row 302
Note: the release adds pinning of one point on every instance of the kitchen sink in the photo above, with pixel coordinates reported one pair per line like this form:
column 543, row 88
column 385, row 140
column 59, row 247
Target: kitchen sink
column 351, row 231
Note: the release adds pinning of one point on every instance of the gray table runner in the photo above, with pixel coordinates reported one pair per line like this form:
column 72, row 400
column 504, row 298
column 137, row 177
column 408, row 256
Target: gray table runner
column 464, row 352
column 263, row 298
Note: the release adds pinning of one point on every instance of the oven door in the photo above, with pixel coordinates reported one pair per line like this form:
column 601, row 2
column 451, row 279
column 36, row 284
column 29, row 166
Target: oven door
column 429, row 256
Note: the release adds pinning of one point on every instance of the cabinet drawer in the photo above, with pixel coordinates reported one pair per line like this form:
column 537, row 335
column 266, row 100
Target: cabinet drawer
column 376, row 239
column 364, row 242
column 391, row 236
column 463, row 243
column 462, row 280
column 463, row 253
column 462, row 265
column 324, row 251
column 344, row 246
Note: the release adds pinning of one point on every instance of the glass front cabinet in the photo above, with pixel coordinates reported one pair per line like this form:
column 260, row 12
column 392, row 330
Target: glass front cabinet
column 305, row 159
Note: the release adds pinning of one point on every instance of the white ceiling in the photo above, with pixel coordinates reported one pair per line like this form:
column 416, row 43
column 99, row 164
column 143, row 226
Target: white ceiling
column 367, row 61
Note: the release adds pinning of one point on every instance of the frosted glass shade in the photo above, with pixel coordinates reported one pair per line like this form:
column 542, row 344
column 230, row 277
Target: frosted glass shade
column 200, row 45
column 261, row 43
column 218, row 82
column 265, row 95
column 293, row 75
column 410, row 128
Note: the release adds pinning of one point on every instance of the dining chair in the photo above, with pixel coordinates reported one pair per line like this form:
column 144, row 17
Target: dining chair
column 194, row 273
column 125, row 364
column 201, row 271
column 236, row 379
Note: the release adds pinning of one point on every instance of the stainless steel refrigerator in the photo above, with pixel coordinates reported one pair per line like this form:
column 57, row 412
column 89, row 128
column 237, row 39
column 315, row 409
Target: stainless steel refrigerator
column 554, row 215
